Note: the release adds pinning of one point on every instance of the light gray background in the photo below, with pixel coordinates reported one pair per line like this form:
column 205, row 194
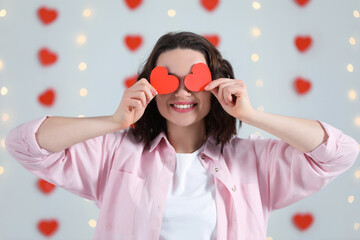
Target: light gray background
column 330, row 23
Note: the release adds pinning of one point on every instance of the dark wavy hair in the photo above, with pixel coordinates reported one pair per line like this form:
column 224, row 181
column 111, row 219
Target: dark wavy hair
column 218, row 123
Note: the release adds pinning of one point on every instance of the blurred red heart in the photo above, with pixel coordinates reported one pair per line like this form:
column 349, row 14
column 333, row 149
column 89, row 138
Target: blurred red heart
column 209, row 5
column 303, row 43
column 303, row 221
column 132, row 4
column 302, row 85
column 47, row 98
column 162, row 82
column 133, row 42
column 48, row 227
column 45, row 186
column 214, row 39
column 46, row 57
column 302, row 3
column 199, row 78
column 46, row 15
column 130, row 81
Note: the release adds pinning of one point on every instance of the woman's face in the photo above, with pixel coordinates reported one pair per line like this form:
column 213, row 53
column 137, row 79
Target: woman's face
column 182, row 107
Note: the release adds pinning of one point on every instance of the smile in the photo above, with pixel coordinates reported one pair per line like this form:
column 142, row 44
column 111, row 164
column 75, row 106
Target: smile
column 183, row 107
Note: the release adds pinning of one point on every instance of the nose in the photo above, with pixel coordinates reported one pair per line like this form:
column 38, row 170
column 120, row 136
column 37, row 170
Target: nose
column 182, row 91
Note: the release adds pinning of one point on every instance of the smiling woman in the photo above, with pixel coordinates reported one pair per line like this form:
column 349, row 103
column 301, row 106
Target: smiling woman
column 181, row 172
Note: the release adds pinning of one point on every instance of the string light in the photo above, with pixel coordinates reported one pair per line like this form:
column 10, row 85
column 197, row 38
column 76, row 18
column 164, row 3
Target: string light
column 83, row 92
column 357, row 174
column 3, row 91
column 255, row 32
column 87, row 13
column 256, row 5
column 352, row 94
column 259, row 83
column 350, row 67
column 356, row 226
column 81, row 39
column 5, row 117
column 255, row 57
column 1, row 170
column 171, row 13
column 81, row 116
column 351, row 199
column 92, row 223
column 3, row 142
column 352, row 41
column 356, row 14
column 82, row 66
column 2, row 13
column 1, row 64
column 269, row 238
column 357, row 121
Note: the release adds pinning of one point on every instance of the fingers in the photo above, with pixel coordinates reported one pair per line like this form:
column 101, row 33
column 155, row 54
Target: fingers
column 141, row 91
column 225, row 90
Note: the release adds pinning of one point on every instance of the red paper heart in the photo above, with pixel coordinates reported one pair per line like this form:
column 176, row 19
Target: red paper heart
column 209, row 5
column 199, row 78
column 132, row 4
column 48, row 227
column 133, row 42
column 45, row 186
column 303, row 43
column 162, row 82
column 303, row 221
column 46, row 57
column 47, row 98
column 130, row 81
column 214, row 39
column 46, row 15
column 302, row 3
column 302, row 85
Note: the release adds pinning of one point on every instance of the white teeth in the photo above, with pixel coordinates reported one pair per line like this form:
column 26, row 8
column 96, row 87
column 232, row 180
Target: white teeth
column 184, row 106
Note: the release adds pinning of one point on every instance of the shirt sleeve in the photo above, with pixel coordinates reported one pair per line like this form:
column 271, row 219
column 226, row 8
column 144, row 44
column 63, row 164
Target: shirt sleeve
column 289, row 175
column 81, row 169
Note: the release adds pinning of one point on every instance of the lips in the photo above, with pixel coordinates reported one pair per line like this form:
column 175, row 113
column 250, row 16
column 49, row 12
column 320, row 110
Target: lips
column 183, row 106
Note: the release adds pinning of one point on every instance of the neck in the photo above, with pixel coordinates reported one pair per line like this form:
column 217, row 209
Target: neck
column 186, row 139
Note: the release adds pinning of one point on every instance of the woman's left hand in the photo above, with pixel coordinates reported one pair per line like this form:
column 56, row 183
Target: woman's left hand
column 232, row 95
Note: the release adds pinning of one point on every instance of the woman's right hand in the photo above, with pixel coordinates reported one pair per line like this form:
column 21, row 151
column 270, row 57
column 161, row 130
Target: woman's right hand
column 133, row 103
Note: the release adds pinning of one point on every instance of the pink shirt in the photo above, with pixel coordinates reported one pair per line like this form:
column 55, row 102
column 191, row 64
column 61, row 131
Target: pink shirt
column 129, row 182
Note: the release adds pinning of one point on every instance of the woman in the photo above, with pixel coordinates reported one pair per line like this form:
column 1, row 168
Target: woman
column 180, row 172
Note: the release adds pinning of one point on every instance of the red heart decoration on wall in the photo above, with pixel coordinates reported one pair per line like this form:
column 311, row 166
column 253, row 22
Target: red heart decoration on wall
column 47, row 98
column 46, row 15
column 303, row 221
column 133, row 42
column 45, row 186
column 209, row 5
column 132, row 4
column 302, row 85
column 199, row 78
column 162, row 82
column 214, row 39
column 130, row 81
column 48, row 227
column 303, row 43
column 46, row 57
column 302, row 3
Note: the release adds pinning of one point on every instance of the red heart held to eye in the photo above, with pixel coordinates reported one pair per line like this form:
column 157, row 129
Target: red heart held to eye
column 303, row 221
column 303, row 43
column 45, row 187
column 162, row 81
column 302, row 85
column 46, row 57
column 302, row 3
column 214, row 39
column 47, row 98
column 209, row 5
column 132, row 4
column 46, row 15
column 133, row 42
column 199, row 78
column 48, row 227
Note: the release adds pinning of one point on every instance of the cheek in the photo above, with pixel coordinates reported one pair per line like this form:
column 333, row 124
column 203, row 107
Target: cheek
column 160, row 102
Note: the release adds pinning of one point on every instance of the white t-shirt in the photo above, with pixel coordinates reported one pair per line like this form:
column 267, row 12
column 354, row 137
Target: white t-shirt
column 190, row 210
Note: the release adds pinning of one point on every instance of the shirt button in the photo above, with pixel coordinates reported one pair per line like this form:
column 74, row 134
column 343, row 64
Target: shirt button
column 203, row 156
column 234, row 188
column 216, row 169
